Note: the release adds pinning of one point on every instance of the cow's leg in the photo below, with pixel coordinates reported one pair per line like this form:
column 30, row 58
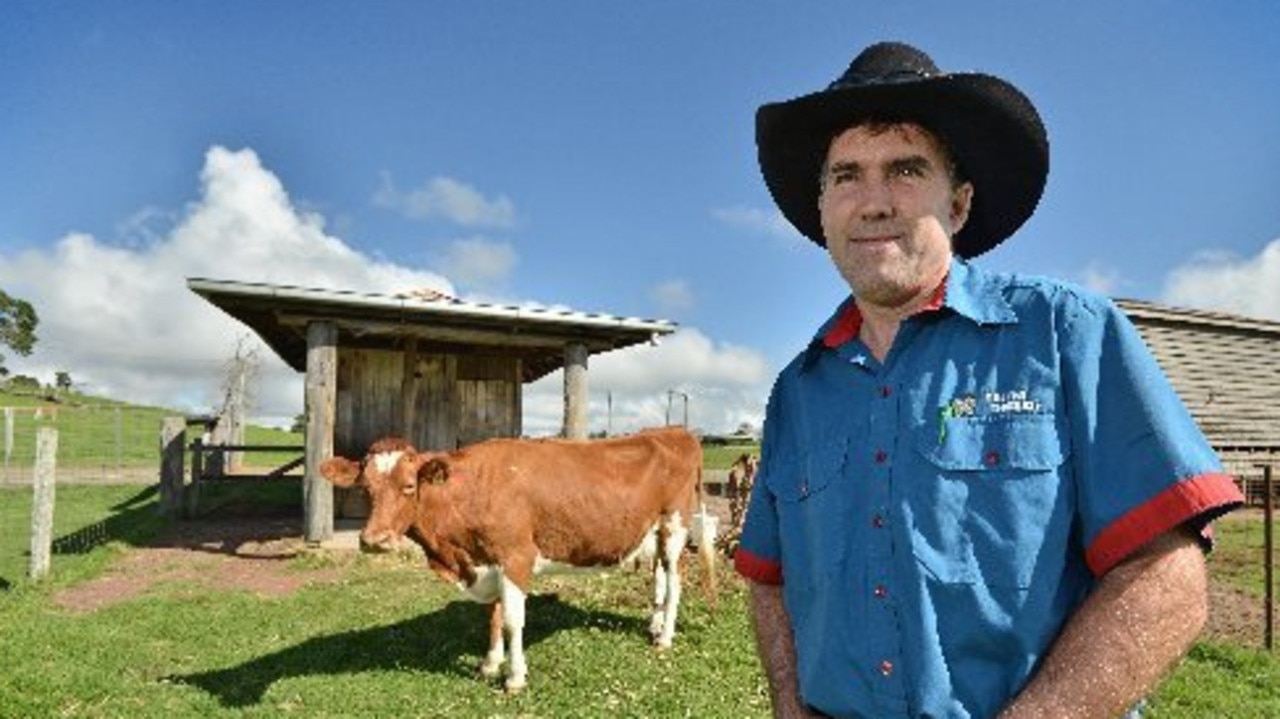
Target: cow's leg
column 491, row 667
column 658, row 619
column 674, row 538
column 513, row 599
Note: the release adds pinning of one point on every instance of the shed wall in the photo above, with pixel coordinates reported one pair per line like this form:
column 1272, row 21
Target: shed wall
column 1229, row 379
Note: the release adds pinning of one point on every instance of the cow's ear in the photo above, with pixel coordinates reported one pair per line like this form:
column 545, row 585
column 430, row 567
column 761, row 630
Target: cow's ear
column 341, row 471
column 433, row 471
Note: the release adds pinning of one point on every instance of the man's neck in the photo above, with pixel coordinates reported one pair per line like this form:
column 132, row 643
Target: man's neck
column 880, row 323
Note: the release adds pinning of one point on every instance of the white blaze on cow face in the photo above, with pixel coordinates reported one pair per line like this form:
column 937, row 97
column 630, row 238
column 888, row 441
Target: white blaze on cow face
column 384, row 462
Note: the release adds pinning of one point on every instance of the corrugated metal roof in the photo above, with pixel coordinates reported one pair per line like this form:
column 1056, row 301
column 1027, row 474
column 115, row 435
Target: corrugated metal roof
column 280, row 313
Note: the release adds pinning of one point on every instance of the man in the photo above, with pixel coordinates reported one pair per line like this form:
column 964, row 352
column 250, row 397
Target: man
column 978, row 495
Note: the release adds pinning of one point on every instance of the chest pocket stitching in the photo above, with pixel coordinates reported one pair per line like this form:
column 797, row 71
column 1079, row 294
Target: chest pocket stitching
column 796, row 479
column 1023, row 446
column 978, row 444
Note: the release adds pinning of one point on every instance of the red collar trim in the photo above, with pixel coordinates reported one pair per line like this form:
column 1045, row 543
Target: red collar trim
column 849, row 323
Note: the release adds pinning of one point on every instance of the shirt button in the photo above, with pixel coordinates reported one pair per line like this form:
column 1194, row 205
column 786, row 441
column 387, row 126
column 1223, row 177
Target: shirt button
column 881, row 456
column 885, row 391
column 877, row 521
column 881, row 591
column 992, row 458
column 886, row 668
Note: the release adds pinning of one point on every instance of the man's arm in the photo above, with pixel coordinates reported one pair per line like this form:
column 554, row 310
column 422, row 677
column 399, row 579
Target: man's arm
column 775, row 644
column 1141, row 618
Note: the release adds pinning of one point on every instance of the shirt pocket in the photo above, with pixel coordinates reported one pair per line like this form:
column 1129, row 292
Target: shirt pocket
column 810, row 505
column 990, row 501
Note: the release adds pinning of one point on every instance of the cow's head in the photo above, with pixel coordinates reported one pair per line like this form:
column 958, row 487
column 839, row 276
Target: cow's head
column 389, row 473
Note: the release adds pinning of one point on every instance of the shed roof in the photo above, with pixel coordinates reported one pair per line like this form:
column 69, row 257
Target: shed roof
column 280, row 314
column 1140, row 310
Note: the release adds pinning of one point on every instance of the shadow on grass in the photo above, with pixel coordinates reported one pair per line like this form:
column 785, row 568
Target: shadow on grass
column 132, row 521
column 442, row 642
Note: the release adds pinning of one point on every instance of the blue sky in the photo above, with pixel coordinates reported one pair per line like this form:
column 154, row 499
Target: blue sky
column 598, row 156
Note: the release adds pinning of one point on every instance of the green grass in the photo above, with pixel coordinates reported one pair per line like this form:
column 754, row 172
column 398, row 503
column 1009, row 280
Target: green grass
column 379, row 636
column 722, row 457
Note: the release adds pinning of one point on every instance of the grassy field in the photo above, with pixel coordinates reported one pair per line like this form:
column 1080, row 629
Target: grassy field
column 103, row 440
column 378, row 636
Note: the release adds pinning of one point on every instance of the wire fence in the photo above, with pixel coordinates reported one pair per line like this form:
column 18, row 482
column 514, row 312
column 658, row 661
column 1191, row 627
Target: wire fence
column 96, row 443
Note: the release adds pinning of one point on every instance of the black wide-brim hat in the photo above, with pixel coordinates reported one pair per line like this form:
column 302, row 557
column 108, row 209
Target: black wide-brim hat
column 994, row 134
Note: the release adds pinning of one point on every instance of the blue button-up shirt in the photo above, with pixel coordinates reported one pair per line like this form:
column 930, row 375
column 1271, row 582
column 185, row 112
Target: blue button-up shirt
column 936, row 517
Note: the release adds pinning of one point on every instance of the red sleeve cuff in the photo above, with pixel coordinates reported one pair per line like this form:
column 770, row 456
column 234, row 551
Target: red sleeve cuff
column 1202, row 497
column 756, row 568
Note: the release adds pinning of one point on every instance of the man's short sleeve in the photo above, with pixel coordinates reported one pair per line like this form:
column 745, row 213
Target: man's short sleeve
column 1142, row 465
column 759, row 553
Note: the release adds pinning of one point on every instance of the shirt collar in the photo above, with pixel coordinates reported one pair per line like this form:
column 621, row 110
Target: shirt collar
column 967, row 291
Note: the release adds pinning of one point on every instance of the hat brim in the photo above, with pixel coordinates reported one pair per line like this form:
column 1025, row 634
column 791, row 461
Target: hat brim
column 992, row 130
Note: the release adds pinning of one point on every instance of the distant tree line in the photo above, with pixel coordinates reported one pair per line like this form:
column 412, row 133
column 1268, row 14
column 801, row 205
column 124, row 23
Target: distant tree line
column 18, row 322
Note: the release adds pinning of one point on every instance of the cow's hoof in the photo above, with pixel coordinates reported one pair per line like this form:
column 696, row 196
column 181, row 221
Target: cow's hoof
column 491, row 670
column 515, row 686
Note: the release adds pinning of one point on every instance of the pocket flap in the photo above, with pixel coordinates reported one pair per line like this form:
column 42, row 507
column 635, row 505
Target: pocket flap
column 1029, row 442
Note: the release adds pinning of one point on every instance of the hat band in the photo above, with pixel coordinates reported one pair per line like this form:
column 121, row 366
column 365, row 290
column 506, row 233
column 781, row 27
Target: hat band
column 890, row 78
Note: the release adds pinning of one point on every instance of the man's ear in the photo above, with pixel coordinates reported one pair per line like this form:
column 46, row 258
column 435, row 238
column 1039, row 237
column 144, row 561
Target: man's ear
column 961, row 203
column 342, row 472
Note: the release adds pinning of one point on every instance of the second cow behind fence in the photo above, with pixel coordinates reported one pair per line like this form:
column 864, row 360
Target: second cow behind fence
column 492, row 515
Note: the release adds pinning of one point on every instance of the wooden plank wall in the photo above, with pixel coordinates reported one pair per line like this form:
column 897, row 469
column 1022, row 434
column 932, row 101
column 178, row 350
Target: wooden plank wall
column 1229, row 379
column 436, row 401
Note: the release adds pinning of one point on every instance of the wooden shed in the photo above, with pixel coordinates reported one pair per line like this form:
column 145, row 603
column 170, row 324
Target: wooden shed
column 438, row 371
column 1226, row 368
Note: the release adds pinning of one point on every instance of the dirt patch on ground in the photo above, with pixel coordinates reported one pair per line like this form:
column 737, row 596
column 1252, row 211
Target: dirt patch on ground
column 223, row 554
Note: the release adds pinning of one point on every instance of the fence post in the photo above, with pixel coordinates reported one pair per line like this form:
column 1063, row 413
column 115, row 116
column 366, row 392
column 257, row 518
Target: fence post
column 42, row 501
column 173, row 439
column 1268, row 494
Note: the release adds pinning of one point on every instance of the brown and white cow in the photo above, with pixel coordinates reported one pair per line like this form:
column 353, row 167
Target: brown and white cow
column 492, row 515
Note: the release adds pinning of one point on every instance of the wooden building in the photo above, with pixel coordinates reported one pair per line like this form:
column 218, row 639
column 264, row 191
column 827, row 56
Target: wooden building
column 438, row 371
column 1226, row 368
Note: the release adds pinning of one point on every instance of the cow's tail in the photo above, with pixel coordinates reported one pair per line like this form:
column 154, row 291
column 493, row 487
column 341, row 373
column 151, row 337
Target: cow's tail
column 707, row 546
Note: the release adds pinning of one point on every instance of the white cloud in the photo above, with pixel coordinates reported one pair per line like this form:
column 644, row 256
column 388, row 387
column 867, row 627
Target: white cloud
column 672, row 297
column 1247, row 286
column 1103, row 279
column 478, row 262
column 757, row 221
column 449, row 199
column 119, row 318
column 725, row 385
column 121, row 321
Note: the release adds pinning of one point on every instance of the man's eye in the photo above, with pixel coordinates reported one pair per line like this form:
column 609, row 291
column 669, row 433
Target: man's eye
column 839, row 178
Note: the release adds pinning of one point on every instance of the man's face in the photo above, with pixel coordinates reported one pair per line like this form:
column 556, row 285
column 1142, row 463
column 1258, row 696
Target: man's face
column 889, row 209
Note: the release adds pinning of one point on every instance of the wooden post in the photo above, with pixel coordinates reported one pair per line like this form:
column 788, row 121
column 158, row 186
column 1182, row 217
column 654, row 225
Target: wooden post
column 173, row 441
column 575, row 391
column 42, row 501
column 321, row 403
column 1268, row 508
column 198, row 472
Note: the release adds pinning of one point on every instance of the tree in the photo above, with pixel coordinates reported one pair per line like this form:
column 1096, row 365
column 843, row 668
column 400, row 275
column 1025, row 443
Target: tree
column 18, row 322
column 62, row 380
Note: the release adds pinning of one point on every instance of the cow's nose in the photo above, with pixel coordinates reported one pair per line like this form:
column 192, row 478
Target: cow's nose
column 375, row 542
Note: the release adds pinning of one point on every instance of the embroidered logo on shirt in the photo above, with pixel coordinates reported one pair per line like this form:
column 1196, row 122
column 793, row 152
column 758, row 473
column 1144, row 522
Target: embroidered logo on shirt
column 962, row 406
column 993, row 404
column 1013, row 402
